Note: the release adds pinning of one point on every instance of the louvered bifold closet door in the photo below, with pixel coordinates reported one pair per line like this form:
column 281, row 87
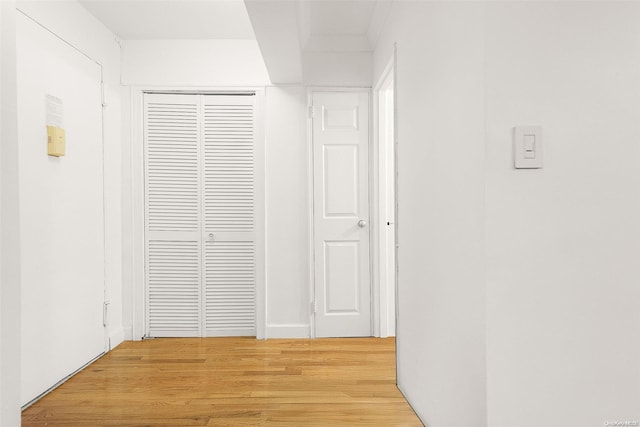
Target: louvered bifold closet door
column 172, row 134
column 229, row 215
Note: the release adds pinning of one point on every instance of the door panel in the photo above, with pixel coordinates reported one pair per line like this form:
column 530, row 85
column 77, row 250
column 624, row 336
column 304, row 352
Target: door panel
column 62, row 212
column 172, row 162
column 341, row 180
column 174, row 288
column 172, row 214
column 230, row 212
column 341, row 214
column 342, row 262
column 229, row 163
column 230, row 287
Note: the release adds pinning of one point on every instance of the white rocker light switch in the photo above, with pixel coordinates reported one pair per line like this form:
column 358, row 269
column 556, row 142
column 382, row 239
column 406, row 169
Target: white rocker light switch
column 527, row 147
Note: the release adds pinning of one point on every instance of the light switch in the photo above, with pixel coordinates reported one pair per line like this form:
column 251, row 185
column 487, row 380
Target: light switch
column 527, row 147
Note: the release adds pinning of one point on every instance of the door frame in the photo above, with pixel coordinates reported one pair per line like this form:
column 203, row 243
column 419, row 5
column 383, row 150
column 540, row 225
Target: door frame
column 137, row 298
column 380, row 297
column 312, row 270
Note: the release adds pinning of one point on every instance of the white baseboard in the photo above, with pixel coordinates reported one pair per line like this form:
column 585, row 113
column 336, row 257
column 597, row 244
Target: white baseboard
column 273, row 331
column 287, row 331
column 115, row 338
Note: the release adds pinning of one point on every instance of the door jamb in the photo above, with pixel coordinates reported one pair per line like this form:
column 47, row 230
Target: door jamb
column 376, row 222
column 137, row 299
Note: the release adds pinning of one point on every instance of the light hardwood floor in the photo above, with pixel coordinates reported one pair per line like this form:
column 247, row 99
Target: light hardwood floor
column 232, row 382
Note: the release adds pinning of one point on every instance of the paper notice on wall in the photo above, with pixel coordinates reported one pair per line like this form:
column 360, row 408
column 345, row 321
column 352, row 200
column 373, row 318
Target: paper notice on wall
column 56, row 136
column 55, row 112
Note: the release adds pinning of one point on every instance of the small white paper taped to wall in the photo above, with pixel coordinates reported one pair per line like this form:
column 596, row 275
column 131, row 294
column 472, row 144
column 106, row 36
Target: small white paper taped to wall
column 55, row 112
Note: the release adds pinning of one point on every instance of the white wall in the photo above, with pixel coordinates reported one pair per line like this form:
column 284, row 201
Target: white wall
column 560, row 246
column 287, row 206
column 193, row 63
column 344, row 69
column 441, row 295
column 71, row 22
column 563, row 242
column 9, row 225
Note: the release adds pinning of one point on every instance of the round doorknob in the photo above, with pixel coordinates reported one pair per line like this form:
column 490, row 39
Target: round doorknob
column 211, row 235
column 362, row 223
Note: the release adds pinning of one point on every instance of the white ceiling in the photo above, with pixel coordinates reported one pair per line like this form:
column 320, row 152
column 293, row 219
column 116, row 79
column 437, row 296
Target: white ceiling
column 340, row 18
column 324, row 25
column 178, row 19
column 285, row 30
column 340, row 25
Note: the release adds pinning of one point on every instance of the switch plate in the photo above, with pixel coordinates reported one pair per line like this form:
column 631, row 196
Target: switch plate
column 527, row 147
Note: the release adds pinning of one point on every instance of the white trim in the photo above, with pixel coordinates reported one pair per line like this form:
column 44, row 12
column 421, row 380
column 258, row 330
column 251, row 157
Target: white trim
column 288, row 331
column 379, row 295
column 375, row 211
column 395, row 168
column 311, row 89
column 374, row 315
column 62, row 381
column 261, row 218
column 139, row 319
column 310, row 170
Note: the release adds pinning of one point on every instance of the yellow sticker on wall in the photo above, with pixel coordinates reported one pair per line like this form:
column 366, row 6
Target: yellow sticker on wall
column 55, row 141
column 55, row 126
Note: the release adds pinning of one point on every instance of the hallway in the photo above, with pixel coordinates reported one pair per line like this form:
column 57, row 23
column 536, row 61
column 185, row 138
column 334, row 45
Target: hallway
column 231, row 382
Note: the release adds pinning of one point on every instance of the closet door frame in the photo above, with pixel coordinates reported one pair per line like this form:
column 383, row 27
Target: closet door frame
column 134, row 288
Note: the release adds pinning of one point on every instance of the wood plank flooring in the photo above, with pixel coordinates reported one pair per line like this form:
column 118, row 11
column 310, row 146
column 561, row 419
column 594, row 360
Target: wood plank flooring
column 232, row 382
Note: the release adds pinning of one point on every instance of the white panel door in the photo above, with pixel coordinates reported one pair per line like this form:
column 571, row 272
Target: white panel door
column 341, row 214
column 173, row 249
column 201, row 214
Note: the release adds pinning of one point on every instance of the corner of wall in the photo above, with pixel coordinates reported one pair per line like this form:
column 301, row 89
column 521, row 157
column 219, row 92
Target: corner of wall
column 441, row 285
column 9, row 224
column 116, row 338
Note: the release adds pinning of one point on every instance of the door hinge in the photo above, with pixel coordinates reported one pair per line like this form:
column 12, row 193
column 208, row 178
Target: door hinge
column 312, row 112
column 105, row 315
column 313, row 307
column 103, row 95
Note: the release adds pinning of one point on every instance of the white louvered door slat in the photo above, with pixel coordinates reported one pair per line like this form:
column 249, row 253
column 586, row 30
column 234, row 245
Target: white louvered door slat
column 230, row 282
column 229, row 215
column 172, row 146
column 200, row 215
column 175, row 288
